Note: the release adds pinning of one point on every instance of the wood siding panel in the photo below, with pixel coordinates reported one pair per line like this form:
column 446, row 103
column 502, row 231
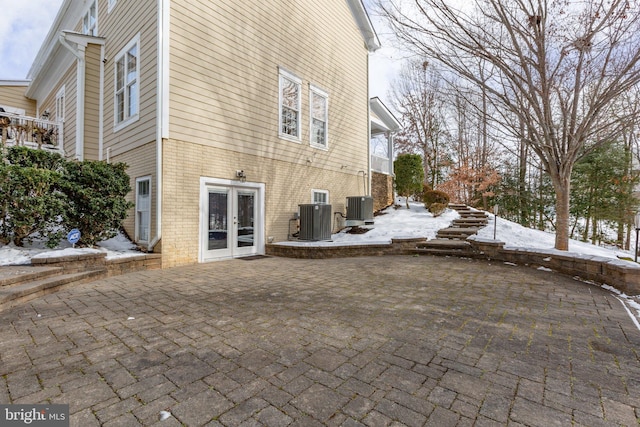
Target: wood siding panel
column 119, row 27
column 224, row 76
column 92, row 102
column 13, row 96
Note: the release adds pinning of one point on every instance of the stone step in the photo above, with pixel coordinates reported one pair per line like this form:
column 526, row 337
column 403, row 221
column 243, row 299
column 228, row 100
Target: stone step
column 456, row 232
column 22, row 291
column 479, row 221
column 458, row 206
column 444, row 244
column 16, row 274
column 443, row 252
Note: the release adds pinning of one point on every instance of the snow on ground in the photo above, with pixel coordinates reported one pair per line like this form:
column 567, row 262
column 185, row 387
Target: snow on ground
column 116, row 247
column 395, row 222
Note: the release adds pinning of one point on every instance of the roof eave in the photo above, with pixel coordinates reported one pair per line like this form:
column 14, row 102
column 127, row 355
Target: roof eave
column 364, row 24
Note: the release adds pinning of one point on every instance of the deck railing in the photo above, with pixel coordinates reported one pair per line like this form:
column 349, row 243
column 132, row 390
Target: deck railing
column 31, row 132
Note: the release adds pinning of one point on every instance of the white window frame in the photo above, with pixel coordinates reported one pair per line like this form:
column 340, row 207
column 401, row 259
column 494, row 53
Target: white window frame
column 111, row 4
column 284, row 74
column 127, row 118
column 60, row 105
column 315, row 192
column 140, row 211
column 315, row 91
column 87, row 28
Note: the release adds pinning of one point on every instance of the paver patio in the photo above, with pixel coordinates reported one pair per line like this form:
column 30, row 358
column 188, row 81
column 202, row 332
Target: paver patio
column 373, row 341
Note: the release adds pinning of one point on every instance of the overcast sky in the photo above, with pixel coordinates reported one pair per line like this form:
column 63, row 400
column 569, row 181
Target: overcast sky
column 25, row 23
column 23, row 26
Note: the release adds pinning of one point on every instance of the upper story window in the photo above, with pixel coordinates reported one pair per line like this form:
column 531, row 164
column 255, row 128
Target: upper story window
column 90, row 21
column 111, row 4
column 60, row 107
column 318, row 104
column 127, row 84
column 290, row 104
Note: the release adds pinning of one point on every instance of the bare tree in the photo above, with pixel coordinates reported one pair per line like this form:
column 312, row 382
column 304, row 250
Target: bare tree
column 558, row 66
column 417, row 97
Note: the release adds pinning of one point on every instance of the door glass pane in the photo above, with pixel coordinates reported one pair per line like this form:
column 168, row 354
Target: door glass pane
column 245, row 219
column 218, row 220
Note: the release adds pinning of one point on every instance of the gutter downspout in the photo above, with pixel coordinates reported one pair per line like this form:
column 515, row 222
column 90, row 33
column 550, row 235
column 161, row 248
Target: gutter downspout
column 79, row 53
column 101, row 106
column 162, row 111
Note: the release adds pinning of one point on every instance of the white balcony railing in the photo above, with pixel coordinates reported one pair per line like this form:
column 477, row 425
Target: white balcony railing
column 30, row 132
column 380, row 164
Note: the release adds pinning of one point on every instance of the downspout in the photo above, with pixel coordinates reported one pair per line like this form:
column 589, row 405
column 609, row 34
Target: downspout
column 368, row 193
column 162, row 111
column 101, row 106
column 80, row 89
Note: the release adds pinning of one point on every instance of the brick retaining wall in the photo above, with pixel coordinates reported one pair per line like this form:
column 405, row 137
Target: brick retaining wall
column 623, row 275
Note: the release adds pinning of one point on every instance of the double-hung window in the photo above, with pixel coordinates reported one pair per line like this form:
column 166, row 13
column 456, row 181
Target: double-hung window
column 318, row 103
column 60, row 105
column 90, row 21
column 290, row 104
column 143, row 209
column 127, row 84
column 111, row 4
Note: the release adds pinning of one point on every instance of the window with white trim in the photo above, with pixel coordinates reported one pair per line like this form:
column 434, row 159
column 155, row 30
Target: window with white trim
column 290, row 104
column 60, row 105
column 111, row 4
column 127, row 84
column 90, row 21
column 320, row 197
column 318, row 117
column 143, row 209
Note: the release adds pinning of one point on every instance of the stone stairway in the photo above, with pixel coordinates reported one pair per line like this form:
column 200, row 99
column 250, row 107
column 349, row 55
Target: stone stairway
column 19, row 284
column 453, row 239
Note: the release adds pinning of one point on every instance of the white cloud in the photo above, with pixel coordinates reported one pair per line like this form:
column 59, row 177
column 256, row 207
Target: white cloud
column 25, row 24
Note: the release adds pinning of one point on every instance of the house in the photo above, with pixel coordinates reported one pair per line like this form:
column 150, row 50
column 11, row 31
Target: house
column 384, row 126
column 229, row 114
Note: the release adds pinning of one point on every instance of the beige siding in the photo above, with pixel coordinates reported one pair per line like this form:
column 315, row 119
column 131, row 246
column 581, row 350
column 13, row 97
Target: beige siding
column 13, row 96
column 119, row 27
column 224, row 76
column 287, row 186
column 141, row 163
column 69, row 81
column 92, row 102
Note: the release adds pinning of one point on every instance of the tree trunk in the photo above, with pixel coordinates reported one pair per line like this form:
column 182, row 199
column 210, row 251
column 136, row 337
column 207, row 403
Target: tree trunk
column 562, row 187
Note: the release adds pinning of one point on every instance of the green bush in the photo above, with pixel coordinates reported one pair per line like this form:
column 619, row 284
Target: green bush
column 96, row 199
column 31, row 205
column 43, row 195
column 434, row 196
column 27, row 157
column 437, row 209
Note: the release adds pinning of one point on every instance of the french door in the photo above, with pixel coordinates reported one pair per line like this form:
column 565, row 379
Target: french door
column 230, row 222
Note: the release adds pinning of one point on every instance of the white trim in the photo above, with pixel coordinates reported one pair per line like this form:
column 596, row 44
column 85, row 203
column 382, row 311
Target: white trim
column 315, row 191
column 136, row 222
column 314, row 90
column 206, row 182
column 86, row 13
column 127, row 120
column 61, row 105
column 282, row 73
column 101, row 105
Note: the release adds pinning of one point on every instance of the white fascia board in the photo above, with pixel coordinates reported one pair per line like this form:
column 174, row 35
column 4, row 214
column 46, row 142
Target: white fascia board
column 364, row 23
column 384, row 114
column 68, row 16
column 14, row 82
